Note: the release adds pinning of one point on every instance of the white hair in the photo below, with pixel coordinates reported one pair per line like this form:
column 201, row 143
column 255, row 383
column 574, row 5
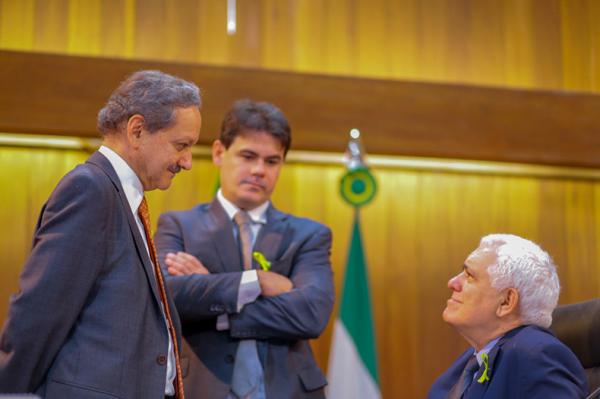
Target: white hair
column 524, row 266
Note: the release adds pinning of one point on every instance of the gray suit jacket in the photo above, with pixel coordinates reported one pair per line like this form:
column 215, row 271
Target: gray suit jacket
column 87, row 322
column 297, row 248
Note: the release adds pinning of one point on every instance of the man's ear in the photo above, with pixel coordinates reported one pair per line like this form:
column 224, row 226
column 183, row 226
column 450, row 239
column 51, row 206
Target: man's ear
column 218, row 149
column 134, row 129
column 509, row 304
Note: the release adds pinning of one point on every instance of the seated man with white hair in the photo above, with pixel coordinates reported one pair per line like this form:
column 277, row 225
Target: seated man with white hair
column 502, row 303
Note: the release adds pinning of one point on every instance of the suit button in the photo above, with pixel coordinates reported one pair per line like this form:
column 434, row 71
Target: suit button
column 229, row 359
column 161, row 359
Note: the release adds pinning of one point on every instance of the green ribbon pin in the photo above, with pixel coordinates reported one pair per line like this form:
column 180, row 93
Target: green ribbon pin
column 262, row 261
column 484, row 376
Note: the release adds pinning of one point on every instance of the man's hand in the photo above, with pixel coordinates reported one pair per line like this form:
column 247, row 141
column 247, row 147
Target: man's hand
column 183, row 264
column 272, row 284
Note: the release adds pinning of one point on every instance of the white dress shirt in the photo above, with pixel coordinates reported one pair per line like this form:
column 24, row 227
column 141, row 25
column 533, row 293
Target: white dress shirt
column 134, row 191
column 249, row 288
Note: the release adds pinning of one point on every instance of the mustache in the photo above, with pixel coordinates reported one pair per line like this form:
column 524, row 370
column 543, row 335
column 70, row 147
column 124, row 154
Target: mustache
column 174, row 169
column 255, row 181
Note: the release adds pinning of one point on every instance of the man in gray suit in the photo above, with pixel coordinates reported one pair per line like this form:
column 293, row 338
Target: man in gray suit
column 92, row 318
column 252, row 284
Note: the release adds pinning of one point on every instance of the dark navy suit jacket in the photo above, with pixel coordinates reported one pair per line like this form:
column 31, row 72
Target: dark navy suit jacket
column 87, row 322
column 297, row 248
column 527, row 363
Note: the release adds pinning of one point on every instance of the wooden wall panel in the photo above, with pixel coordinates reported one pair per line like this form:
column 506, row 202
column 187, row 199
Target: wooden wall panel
column 27, row 178
column 17, row 21
column 408, row 118
column 52, row 28
column 547, row 44
column 577, row 22
column 423, row 223
column 417, row 233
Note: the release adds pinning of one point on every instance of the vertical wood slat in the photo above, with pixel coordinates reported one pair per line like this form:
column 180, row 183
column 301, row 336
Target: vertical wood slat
column 51, row 25
column 85, row 19
column 17, row 24
column 115, row 37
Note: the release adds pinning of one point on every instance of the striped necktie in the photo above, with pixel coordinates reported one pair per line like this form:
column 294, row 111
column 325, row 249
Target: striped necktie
column 144, row 215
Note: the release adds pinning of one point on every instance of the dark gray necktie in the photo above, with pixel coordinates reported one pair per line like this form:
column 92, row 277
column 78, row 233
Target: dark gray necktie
column 465, row 379
column 247, row 370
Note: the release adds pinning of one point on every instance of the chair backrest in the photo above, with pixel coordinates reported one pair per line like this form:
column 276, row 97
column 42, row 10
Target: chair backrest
column 578, row 326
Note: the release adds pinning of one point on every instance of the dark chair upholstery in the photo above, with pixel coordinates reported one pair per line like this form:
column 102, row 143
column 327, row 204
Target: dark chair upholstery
column 578, row 326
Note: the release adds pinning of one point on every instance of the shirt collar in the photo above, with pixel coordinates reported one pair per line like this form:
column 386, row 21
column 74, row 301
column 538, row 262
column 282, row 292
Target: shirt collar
column 132, row 186
column 258, row 214
column 486, row 349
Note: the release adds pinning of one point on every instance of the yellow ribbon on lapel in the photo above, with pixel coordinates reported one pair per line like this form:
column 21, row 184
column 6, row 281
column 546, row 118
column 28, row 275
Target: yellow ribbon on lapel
column 484, row 376
column 262, row 261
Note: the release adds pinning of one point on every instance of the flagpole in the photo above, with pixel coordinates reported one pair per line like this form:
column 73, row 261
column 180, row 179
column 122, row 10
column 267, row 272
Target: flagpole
column 353, row 371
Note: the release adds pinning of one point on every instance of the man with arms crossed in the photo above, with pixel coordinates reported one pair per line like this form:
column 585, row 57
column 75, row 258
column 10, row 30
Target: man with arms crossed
column 92, row 318
column 247, row 324
column 502, row 304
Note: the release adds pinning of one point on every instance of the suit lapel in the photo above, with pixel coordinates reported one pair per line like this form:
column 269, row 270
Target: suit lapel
column 103, row 163
column 219, row 228
column 477, row 390
column 271, row 235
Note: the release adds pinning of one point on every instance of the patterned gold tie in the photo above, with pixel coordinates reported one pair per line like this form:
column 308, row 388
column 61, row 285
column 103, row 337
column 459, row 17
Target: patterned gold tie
column 145, row 218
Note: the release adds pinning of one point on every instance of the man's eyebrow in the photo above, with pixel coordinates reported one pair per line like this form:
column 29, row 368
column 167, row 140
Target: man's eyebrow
column 186, row 141
column 247, row 151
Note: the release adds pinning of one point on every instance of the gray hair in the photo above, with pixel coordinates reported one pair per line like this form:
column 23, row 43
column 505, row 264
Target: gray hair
column 153, row 94
column 523, row 265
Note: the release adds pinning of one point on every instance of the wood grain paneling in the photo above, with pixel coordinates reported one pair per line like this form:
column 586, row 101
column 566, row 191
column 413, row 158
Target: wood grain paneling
column 424, row 221
column 416, row 233
column 543, row 44
column 62, row 95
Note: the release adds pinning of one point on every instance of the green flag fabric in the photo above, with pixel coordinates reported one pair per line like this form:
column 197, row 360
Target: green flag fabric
column 353, row 359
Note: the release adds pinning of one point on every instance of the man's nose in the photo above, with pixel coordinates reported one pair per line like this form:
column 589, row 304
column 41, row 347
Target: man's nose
column 186, row 161
column 455, row 283
column 258, row 168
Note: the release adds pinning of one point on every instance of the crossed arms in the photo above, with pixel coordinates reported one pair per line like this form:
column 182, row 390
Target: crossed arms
column 296, row 306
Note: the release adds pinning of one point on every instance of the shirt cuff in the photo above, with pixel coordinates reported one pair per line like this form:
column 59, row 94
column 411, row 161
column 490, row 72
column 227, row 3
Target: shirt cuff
column 249, row 289
column 248, row 292
column 223, row 322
